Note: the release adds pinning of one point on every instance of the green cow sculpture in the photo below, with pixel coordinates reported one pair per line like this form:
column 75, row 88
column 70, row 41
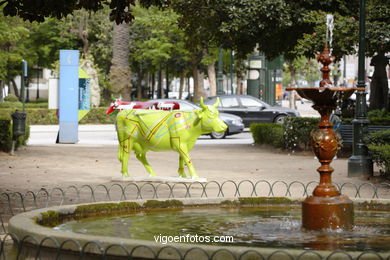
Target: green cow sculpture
column 141, row 130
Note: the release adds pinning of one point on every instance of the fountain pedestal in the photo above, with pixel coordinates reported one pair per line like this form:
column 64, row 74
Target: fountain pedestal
column 326, row 208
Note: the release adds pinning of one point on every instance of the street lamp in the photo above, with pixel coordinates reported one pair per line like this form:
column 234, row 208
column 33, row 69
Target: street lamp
column 360, row 163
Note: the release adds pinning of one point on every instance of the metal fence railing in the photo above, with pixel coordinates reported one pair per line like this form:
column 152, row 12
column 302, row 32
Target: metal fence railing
column 11, row 203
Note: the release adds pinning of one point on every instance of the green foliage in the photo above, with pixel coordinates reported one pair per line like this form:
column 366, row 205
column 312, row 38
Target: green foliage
column 12, row 105
column 36, row 105
column 379, row 148
column 50, row 218
column 297, row 132
column 6, row 133
column 163, row 204
column 345, row 34
column 11, row 98
column 104, row 208
column 377, row 26
column 271, row 134
column 379, row 138
column 156, row 40
column 293, row 135
column 13, row 48
column 41, row 116
column 98, row 116
column 381, row 156
column 265, row 201
column 379, row 117
column 376, row 117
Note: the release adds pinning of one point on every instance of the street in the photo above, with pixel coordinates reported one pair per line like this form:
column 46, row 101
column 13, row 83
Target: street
column 97, row 135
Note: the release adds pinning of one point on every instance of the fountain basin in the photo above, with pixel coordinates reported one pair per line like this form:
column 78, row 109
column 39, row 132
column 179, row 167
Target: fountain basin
column 27, row 224
column 326, row 97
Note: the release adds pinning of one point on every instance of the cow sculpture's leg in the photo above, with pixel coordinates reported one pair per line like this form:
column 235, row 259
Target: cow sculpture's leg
column 126, row 147
column 181, row 171
column 141, row 156
column 183, row 151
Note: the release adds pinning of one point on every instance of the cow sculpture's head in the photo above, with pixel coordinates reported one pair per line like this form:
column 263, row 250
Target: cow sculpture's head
column 209, row 118
column 117, row 105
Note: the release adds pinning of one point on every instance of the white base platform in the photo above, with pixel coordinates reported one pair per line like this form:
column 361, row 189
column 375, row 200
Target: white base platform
column 157, row 179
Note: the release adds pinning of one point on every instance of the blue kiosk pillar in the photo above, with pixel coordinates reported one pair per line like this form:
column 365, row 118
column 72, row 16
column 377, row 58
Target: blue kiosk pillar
column 69, row 96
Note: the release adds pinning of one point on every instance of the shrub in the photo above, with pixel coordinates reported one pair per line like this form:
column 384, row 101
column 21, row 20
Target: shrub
column 376, row 117
column 12, row 105
column 379, row 117
column 6, row 133
column 37, row 105
column 297, row 130
column 98, row 116
column 379, row 148
column 36, row 116
column 11, row 98
column 271, row 134
column 381, row 157
column 379, row 138
column 43, row 116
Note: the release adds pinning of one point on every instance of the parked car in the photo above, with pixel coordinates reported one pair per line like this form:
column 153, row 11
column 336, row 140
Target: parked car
column 234, row 123
column 252, row 110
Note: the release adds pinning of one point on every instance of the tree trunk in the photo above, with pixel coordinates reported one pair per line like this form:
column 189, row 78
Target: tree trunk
column 15, row 87
column 153, row 84
column 239, row 85
column 160, row 90
column 198, row 81
column 292, row 103
column 83, row 34
column 139, row 85
column 181, row 88
column 120, row 74
column 212, row 79
column 1, row 90
column 167, row 83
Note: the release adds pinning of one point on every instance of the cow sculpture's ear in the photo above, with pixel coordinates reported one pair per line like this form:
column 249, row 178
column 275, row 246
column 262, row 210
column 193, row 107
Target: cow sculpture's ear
column 201, row 103
column 112, row 97
column 199, row 115
column 217, row 102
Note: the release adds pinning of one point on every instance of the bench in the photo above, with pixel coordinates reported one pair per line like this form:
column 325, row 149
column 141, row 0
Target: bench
column 346, row 132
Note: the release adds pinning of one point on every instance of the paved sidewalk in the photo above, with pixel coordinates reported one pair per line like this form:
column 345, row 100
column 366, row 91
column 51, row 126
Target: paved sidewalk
column 35, row 167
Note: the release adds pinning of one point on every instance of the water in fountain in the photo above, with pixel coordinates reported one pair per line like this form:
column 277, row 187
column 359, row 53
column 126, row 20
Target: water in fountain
column 329, row 31
column 266, row 226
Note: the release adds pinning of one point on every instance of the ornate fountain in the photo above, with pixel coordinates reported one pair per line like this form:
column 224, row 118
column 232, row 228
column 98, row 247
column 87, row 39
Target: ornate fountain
column 327, row 208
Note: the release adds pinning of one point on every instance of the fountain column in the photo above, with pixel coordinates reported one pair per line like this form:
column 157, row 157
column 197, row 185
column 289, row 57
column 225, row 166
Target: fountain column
column 326, row 208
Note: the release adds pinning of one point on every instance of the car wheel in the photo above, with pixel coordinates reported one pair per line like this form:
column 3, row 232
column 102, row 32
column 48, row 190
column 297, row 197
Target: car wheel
column 279, row 119
column 216, row 135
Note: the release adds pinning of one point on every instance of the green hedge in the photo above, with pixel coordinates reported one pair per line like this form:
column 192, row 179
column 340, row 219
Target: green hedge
column 6, row 133
column 379, row 148
column 297, row 132
column 271, row 134
column 376, row 117
column 294, row 134
column 43, row 116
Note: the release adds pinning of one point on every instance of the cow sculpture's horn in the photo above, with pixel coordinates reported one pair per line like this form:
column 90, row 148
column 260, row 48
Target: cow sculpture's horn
column 201, row 103
column 113, row 97
column 217, row 102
